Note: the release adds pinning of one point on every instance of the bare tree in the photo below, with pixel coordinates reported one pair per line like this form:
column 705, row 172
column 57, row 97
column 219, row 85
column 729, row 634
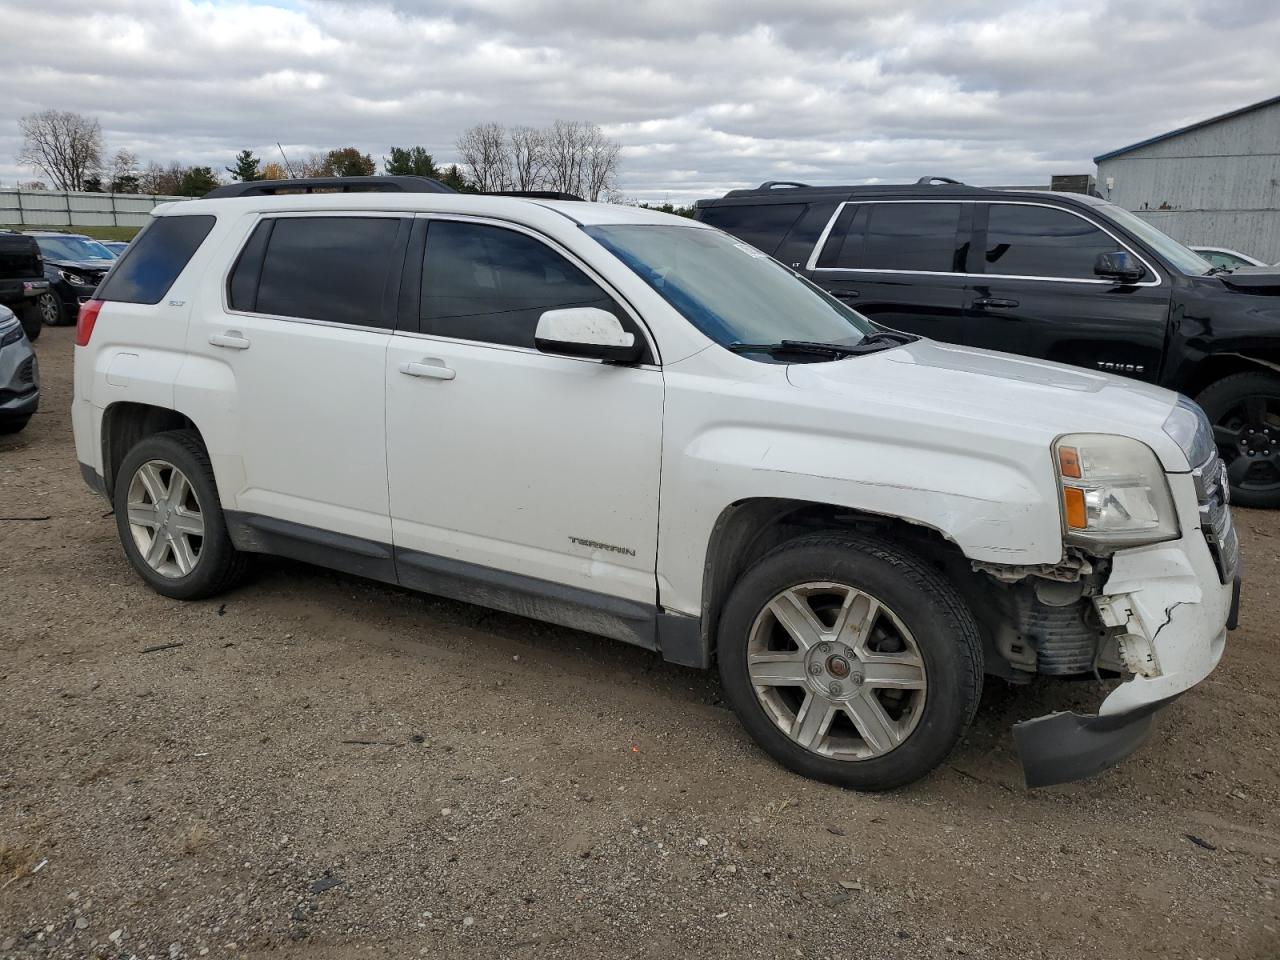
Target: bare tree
column 160, row 180
column 124, row 172
column 600, row 163
column 528, row 150
column 564, row 156
column 486, row 154
column 66, row 146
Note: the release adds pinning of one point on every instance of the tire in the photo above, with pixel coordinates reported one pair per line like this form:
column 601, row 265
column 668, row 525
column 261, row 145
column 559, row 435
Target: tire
column 184, row 565
column 13, row 426
column 1245, row 411
column 52, row 310
column 32, row 321
column 922, row 618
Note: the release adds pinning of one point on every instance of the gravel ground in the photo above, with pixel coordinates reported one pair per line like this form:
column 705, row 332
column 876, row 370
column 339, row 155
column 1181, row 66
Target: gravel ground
column 326, row 768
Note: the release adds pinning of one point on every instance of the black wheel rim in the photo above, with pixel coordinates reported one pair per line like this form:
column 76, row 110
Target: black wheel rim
column 1248, row 438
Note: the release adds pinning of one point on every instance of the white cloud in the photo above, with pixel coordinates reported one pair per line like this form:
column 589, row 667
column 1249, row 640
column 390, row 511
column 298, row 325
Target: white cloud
column 704, row 95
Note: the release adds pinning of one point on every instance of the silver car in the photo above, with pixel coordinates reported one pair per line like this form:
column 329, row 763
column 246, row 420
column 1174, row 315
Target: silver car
column 19, row 375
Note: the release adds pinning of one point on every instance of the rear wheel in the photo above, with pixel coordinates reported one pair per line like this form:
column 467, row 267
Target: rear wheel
column 52, row 312
column 1245, row 411
column 850, row 661
column 170, row 520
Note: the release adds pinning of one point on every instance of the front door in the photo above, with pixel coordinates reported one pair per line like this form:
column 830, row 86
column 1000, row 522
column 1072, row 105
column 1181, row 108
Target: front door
column 516, row 473
column 899, row 263
column 1032, row 291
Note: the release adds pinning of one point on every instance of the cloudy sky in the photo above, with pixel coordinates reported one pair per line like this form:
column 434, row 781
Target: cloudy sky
column 704, row 95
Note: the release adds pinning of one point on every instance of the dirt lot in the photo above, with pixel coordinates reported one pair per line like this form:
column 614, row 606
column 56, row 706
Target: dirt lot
column 327, row 768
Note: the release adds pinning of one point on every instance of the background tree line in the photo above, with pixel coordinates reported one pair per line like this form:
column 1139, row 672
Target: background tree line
column 570, row 156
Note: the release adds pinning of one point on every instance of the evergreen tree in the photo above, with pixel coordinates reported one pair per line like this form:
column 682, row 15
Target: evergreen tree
column 246, row 167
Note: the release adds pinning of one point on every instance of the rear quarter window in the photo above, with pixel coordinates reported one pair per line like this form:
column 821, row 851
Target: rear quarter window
column 155, row 259
column 763, row 225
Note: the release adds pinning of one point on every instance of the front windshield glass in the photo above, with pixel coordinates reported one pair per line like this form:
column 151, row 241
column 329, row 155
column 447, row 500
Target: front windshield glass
column 730, row 291
column 73, row 248
column 1184, row 260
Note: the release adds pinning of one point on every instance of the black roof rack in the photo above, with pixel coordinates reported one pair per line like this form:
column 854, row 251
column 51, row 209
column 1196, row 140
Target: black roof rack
column 770, row 184
column 534, row 194
column 929, row 181
column 267, row 188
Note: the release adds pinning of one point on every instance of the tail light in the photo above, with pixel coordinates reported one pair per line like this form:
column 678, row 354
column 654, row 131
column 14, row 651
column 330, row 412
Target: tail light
column 84, row 323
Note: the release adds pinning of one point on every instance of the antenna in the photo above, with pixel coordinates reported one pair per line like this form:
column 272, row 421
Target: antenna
column 287, row 166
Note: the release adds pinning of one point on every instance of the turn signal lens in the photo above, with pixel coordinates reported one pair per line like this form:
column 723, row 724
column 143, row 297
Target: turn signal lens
column 1073, row 502
column 1069, row 462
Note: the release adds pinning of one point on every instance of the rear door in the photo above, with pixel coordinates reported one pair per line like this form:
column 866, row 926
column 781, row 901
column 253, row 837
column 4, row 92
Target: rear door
column 294, row 360
column 1033, row 291
column 899, row 262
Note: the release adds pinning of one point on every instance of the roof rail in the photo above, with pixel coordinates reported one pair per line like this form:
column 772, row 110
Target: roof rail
column 266, row 188
column 929, row 181
column 770, row 184
column 533, row 194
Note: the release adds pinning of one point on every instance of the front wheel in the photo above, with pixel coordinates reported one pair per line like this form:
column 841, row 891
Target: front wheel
column 170, row 519
column 13, row 426
column 850, row 661
column 1245, row 411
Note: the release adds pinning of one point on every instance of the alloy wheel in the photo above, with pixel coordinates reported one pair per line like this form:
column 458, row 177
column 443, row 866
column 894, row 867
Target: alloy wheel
column 837, row 671
column 1248, row 438
column 165, row 519
column 48, row 309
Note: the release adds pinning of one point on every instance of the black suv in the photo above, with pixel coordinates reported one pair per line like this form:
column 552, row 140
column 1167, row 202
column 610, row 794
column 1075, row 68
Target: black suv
column 22, row 280
column 1061, row 276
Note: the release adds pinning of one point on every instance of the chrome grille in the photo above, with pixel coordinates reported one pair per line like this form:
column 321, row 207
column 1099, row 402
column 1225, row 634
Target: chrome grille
column 1214, row 494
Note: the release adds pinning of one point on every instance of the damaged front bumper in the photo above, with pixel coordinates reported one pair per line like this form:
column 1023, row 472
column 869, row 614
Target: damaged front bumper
column 1168, row 606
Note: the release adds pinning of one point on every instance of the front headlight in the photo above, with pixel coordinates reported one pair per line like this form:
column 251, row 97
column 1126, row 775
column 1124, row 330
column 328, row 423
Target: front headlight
column 1190, row 429
column 74, row 278
column 1114, row 492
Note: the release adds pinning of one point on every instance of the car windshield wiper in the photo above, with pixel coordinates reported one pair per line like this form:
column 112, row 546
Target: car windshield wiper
column 871, row 343
column 1215, row 271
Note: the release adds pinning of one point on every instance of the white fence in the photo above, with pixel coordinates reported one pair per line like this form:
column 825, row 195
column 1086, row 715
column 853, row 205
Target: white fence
column 36, row 208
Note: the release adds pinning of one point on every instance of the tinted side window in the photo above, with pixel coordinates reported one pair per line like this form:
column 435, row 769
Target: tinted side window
column 761, row 225
column 1042, row 242
column 153, row 261
column 326, row 268
column 898, row 236
column 490, row 284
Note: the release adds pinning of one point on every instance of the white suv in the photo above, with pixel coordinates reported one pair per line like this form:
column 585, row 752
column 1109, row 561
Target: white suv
column 638, row 426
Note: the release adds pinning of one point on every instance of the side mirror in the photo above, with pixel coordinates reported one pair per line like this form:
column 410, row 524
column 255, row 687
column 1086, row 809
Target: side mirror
column 586, row 332
column 1121, row 266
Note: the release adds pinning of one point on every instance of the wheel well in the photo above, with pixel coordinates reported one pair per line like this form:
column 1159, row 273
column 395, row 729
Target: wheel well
column 747, row 530
column 125, row 424
column 1217, row 367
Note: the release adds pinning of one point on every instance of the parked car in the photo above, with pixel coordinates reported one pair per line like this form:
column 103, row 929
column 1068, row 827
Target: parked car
column 1227, row 258
column 19, row 374
column 74, row 266
column 22, row 281
column 1059, row 276
column 116, row 247
column 635, row 425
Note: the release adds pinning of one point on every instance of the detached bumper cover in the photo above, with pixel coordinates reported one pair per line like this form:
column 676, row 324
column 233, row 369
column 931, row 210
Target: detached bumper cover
column 1063, row 747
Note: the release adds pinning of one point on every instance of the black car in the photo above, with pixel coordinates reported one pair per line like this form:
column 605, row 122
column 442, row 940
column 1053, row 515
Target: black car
column 22, row 281
column 19, row 375
column 74, row 266
column 1061, row 276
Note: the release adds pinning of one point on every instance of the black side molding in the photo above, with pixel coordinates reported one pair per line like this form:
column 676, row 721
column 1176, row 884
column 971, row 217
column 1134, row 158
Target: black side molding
column 93, row 480
column 338, row 551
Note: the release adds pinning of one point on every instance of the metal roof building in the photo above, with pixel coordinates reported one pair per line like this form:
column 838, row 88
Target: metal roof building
column 1216, row 182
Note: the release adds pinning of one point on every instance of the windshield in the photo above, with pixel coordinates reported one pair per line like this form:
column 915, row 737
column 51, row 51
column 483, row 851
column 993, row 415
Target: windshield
column 730, row 291
column 1184, row 260
column 73, row 248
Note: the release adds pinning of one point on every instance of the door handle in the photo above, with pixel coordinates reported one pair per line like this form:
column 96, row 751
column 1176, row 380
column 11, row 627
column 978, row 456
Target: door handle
column 232, row 340
column 995, row 303
column 845, row 294
column 430, row 367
